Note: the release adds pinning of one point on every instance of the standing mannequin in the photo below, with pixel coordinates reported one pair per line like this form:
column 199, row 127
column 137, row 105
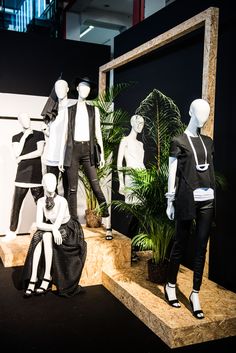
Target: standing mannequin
column 190, row 197
column 132, row 153
column 28, row 148
column 56, row 132
column 57, row 250
column 83, row 129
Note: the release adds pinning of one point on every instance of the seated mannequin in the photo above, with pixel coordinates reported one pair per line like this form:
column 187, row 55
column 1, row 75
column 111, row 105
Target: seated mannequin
column 190, row 197
column 57, row 250
column 28, row 148
column 130, row 152
column 84, row 129
column 56, row 132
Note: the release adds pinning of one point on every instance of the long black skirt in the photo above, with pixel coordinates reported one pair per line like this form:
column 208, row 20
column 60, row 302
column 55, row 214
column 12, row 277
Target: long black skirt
column 68, row 259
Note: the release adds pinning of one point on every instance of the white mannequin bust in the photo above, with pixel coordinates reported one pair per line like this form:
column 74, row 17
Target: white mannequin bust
column 199, row 113
column 131, row 150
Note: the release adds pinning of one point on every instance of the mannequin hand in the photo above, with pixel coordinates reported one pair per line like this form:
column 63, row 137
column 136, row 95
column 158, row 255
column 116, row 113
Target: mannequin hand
column 57, row 236
column 122, row 190
column 61, row 167
column 18, row 159
column 170, row 211
column 102, row 163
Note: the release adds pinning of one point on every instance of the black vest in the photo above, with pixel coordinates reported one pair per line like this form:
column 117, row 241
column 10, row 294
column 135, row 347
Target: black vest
column 71, row 131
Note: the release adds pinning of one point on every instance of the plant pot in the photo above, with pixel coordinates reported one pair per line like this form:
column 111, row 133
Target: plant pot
column 93, row 220
column 157, row 273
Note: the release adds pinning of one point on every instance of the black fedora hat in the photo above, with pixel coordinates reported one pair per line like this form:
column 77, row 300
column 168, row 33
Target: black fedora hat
column 85, row 79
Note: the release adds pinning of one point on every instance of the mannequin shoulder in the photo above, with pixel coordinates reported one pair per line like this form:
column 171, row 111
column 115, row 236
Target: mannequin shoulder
column 207, row 138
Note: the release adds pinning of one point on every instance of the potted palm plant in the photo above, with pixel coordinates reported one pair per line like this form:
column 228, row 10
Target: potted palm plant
column 162, row 121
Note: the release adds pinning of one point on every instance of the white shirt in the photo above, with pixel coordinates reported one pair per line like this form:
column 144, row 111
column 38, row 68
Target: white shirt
column 81, row 123
column 54, row 142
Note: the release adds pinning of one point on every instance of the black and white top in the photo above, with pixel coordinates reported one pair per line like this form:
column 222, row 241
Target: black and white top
column 188, row 178
column 29, row 171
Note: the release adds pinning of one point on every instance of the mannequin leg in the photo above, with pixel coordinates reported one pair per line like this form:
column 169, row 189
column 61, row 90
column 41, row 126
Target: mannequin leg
column 47, row 243
column 203, row 226
column 37, row 193
column 181, row 235
column 91, row 174
column 33, row 279
column 73, row 177
column 19, row 196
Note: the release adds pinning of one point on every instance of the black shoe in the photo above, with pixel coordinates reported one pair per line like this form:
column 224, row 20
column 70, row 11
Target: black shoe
column 42, row 291
column 171, row 302
column 109, row 235
column 196, row 313
column 29, row 292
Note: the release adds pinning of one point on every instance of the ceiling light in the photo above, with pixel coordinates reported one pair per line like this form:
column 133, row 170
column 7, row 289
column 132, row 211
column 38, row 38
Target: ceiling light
column 86, row 31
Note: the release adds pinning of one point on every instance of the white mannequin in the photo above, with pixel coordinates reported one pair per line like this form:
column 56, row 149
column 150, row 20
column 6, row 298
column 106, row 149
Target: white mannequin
column 131, row 150
column 25, row 122
column 59, row 214
column 199, row 114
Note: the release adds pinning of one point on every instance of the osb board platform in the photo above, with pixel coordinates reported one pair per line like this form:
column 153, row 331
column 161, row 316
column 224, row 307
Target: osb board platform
column 176, row 327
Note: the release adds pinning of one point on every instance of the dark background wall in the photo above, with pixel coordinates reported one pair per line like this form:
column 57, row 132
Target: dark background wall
column 176, row 70
column 30, row 63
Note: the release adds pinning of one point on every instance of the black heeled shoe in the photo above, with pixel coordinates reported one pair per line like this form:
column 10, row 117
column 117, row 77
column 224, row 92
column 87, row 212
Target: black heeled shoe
column 196, row 313
column 42, row 291
column 29, row 292
column 109, row 235
column 171, row 302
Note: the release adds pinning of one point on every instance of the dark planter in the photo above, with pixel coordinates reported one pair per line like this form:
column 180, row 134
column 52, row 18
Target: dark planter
column 157, row 273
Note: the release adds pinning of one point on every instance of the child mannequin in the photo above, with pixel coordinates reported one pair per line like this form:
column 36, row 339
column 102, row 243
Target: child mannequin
column 28, row 148
column 190, row 196
column 57, row 250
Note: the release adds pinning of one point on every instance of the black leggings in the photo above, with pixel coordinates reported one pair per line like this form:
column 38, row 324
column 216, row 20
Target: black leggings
column 81, row 156
column 18, row 198
column 204, row 216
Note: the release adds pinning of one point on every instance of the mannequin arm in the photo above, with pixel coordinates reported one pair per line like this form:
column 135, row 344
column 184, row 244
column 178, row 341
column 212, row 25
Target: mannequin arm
column 54, row 228
column 18, row 146
column 120, row 158
column 34, row 154
column 170, row 211
column 98, row 134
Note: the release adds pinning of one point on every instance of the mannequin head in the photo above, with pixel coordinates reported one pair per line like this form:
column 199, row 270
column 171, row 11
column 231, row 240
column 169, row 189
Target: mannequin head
column 199, row 111
column 137, row 123
column 24, row 120
column 61, row 89
column 49, row 182
column 83, row 89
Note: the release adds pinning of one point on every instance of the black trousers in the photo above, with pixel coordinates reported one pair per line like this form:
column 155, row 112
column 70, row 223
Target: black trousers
column 204, row 217
column 54, row 170
column 81, row 156
column 18, row 199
